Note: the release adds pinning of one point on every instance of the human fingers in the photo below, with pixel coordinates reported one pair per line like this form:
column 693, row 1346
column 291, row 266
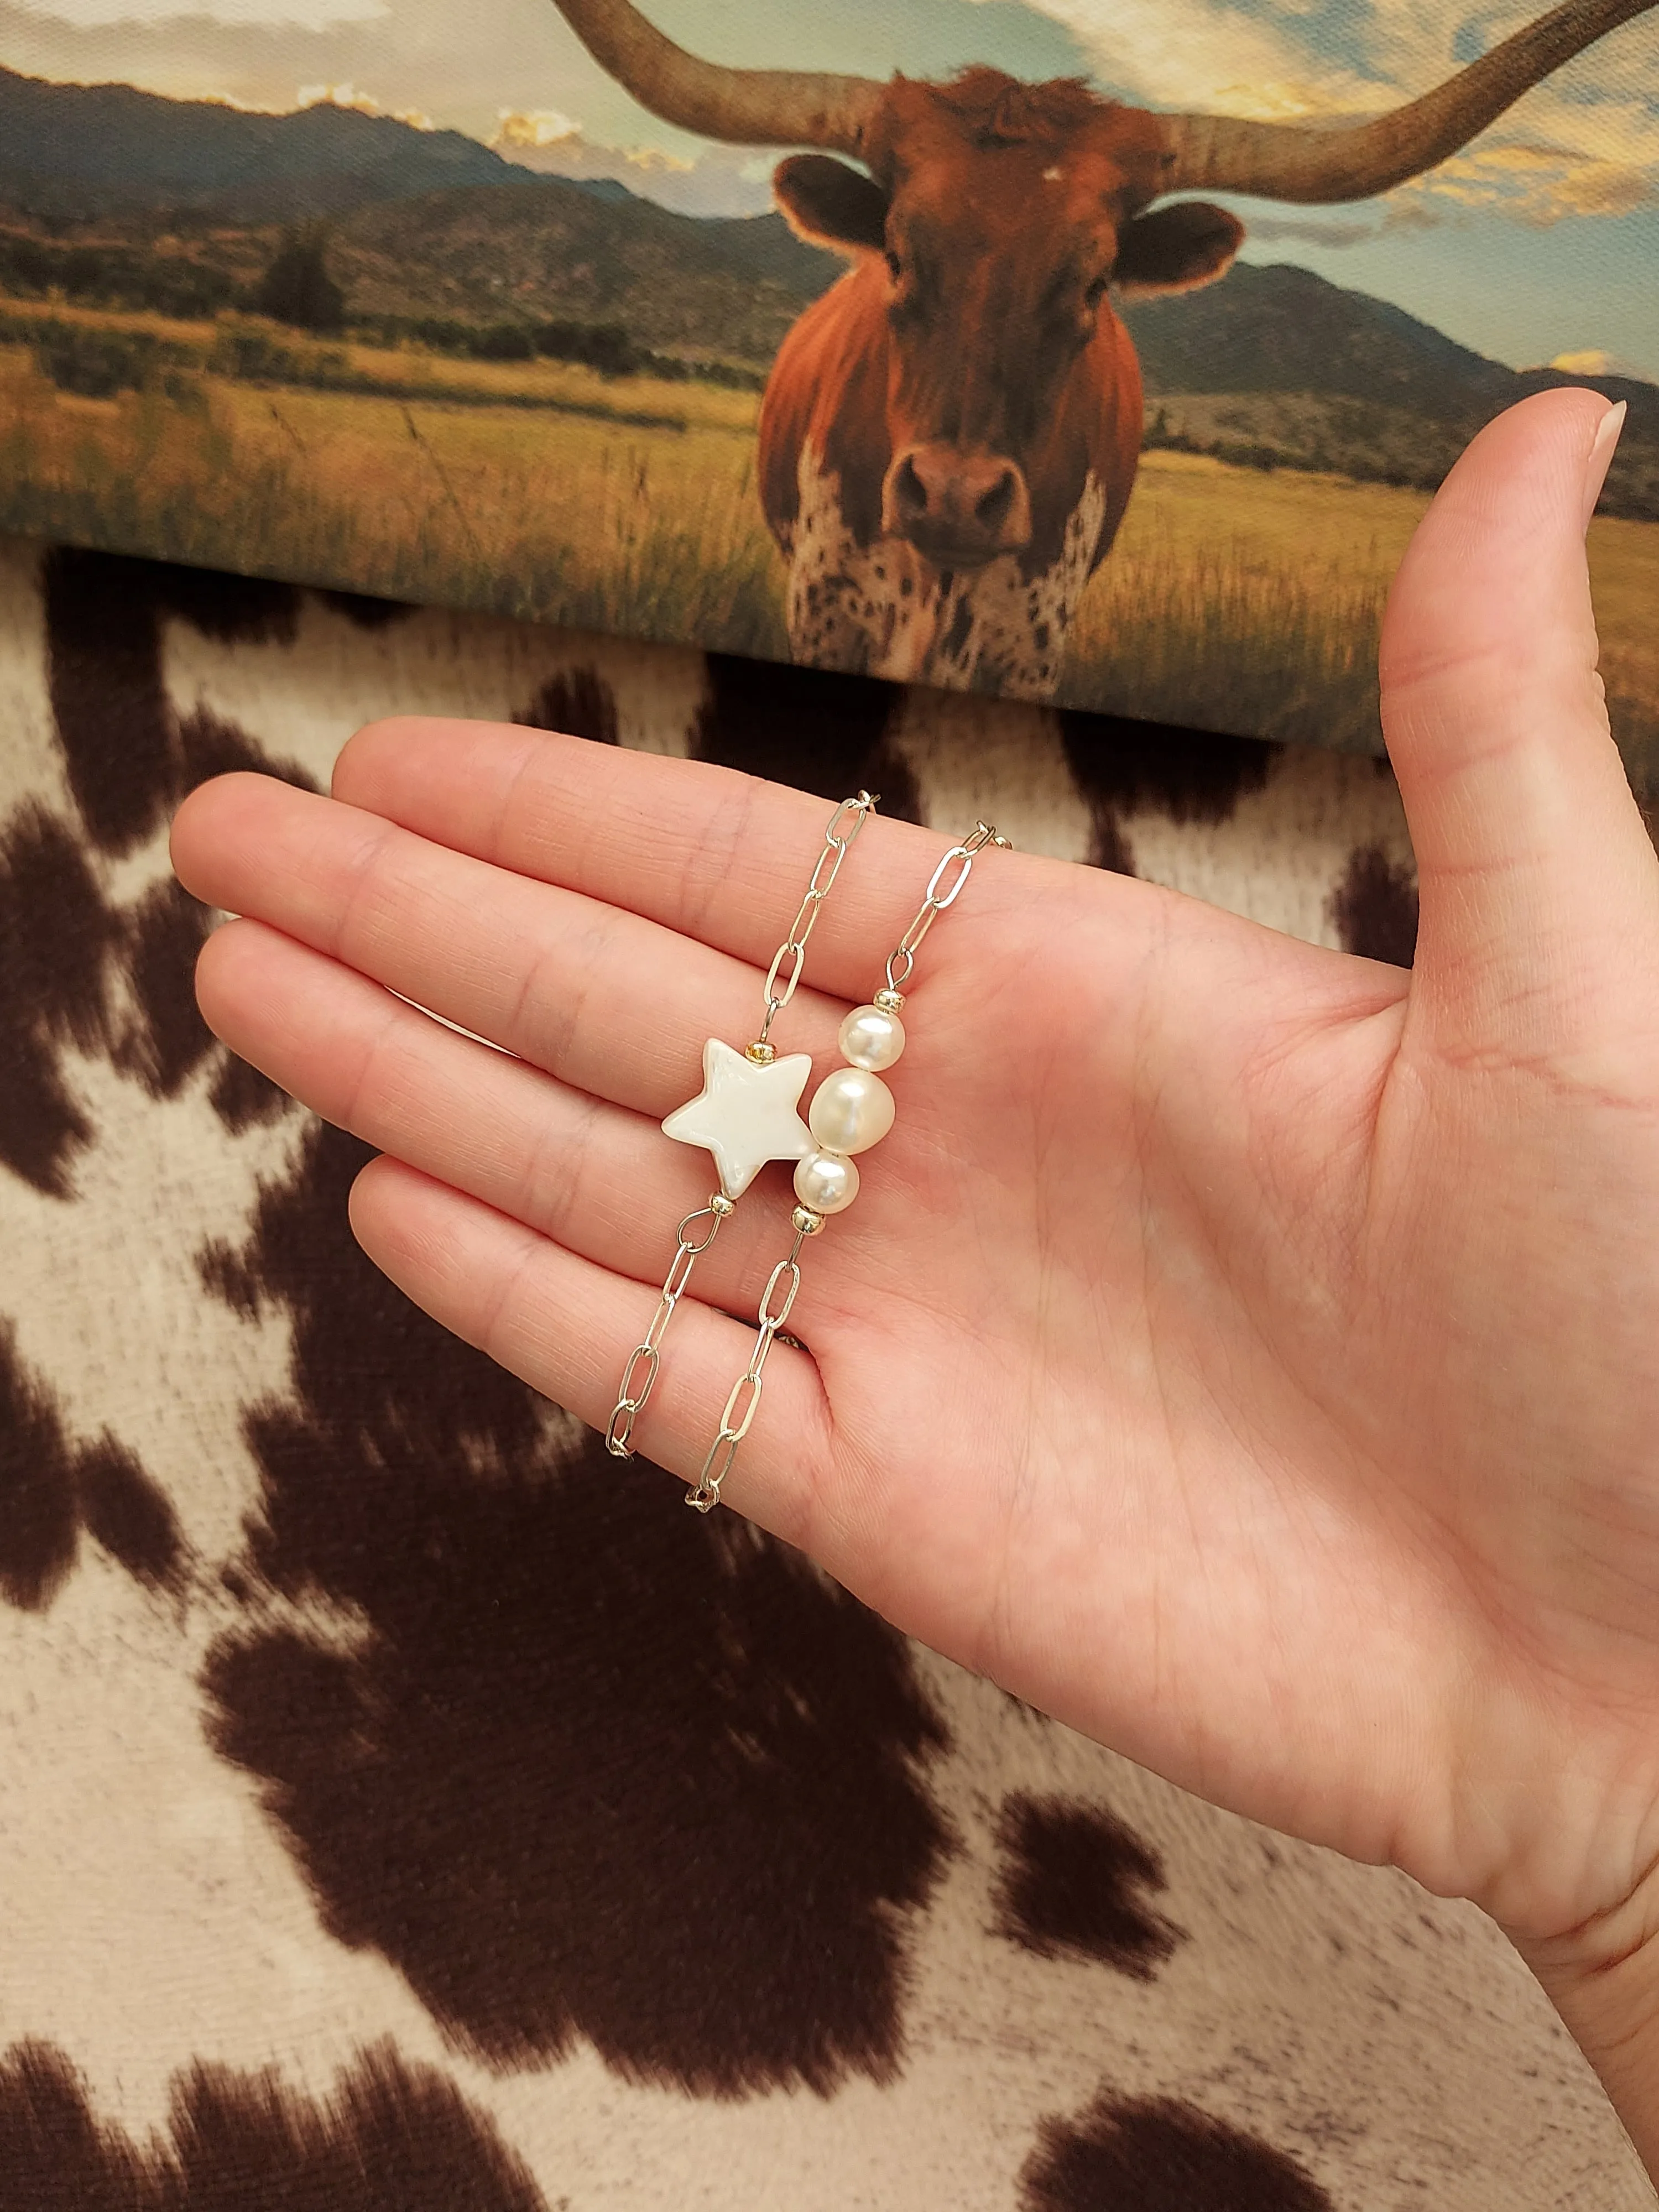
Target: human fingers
column 600, row 1180
column 555, row 1319
column 614, row 1004
column 701, row 850
column 1539, row 895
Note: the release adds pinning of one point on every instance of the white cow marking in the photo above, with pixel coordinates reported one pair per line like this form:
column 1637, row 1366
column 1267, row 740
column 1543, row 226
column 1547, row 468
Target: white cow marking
column 882, row 610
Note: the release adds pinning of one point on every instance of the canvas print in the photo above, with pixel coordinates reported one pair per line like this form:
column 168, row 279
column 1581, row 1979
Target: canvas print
column 1096, row 351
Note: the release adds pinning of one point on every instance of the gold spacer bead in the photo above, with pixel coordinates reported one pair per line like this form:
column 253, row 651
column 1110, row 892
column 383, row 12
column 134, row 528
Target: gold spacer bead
column 891, row 1002
column 807, row 1221
column 720, row 1204
column 762, row 1054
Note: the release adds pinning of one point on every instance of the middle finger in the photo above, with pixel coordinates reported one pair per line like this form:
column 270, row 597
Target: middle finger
column 609, row 1002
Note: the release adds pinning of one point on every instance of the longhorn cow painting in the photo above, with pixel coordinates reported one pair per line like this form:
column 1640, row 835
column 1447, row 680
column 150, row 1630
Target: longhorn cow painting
column 1054, row 349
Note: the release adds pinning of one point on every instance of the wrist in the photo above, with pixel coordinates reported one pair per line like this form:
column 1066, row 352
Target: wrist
column 1602, row 1978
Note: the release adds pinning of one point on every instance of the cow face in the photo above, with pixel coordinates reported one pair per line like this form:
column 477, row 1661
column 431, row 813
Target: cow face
column 997, row 218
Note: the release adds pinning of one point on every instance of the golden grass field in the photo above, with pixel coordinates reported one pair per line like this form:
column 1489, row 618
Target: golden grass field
column 1234, row 599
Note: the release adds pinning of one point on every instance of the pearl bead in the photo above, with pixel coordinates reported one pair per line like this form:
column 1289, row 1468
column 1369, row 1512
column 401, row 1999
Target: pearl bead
column 852, row 1110
column 826, row 1181
column 871, row 1037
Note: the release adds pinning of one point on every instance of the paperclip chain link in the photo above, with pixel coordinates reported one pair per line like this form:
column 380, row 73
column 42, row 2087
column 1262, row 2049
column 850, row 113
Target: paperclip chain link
column 705, row 1495
column 943, row 889
column 837, row 843
column 961, row 857
column 639, row 1375
column 647, row 1353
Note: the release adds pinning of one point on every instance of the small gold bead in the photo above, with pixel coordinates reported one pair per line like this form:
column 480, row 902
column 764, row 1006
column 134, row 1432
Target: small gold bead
column 720, row 1204
column 762, row 1054
column 807, row 1221
column 891, row 1002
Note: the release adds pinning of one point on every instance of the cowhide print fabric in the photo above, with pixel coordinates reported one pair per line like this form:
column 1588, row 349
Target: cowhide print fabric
column 401, row 1804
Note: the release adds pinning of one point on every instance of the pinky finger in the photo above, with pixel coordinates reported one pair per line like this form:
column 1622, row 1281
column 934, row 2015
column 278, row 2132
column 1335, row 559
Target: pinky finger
column 565, row 1325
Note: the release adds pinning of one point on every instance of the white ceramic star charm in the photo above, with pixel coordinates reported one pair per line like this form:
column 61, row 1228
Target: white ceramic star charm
column 745, row 1113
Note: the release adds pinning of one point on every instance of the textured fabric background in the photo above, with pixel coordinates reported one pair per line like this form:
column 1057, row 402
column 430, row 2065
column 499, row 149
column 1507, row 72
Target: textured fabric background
column 404, row 1805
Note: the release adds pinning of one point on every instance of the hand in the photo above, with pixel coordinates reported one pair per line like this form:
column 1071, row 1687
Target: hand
column 1243, row 1351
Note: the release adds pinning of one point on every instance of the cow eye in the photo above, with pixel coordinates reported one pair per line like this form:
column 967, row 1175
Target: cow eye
column 1097, row 292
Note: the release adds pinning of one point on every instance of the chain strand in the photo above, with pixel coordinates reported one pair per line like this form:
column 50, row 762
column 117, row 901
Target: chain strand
column 648, row 1352
column 935, row 903
column 837, row 843
column 705, row 1494
column 639, row 1375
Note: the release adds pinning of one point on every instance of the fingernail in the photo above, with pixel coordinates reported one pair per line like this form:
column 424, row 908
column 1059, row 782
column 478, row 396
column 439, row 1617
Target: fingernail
column 1600, row 456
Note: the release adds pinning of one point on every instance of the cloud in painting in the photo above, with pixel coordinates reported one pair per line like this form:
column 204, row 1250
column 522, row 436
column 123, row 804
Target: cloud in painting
column 1585, row 143
column 465, row 63
column 364, row 103
column 1594, row 360
column 727, row 181
column 1542, row 185
column 246, row 15
column 1400, row 214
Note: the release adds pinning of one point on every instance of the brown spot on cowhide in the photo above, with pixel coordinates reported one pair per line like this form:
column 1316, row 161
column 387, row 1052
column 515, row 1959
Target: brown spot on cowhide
column 1074, row 1883
column 1190, row 775
column 211, row 746
column 389, row 2138
column 129, row 763
column 242, row 1095
column 579, row 702
column 1155, row 2154
column 168, row 1039
column 40, row 1514
column 107, row 694
column 103, row 626
column 1374, row 907
column 131, row 1516
column 588, row 1765
column 231, row 610
column 56, row 932
column 1108, row 847
column 820, row 731
column 367, row 613
column 51, row 1488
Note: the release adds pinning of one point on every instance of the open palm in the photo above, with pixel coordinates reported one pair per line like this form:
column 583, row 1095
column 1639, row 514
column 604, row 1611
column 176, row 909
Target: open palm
column 1240, row 1351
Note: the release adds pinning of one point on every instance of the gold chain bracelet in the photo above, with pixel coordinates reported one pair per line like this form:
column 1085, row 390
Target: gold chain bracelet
column 746, row 1113
column 852, row 1110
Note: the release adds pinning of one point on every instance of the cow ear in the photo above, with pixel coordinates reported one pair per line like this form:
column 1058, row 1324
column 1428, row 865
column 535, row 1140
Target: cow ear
column 830, row 204
column 1175, row 249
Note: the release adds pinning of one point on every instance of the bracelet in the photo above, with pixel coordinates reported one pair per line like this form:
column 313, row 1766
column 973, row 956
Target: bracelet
column 746, row 1113
column 851, row 1109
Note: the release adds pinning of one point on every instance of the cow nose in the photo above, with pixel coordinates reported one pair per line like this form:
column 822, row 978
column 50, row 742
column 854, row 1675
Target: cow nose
column 960, row 509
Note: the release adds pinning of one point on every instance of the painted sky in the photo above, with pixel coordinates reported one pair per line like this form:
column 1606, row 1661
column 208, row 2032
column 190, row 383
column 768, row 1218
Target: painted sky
column 1539, row 242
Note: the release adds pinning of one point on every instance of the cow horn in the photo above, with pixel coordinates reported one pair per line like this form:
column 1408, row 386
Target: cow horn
column 1314, row 163
column 745, row 107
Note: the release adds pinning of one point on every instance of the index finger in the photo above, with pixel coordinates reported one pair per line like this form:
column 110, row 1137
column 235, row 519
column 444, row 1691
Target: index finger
column 706, row 851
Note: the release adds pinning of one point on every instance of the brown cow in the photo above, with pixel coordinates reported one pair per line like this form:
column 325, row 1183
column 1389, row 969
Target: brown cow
column 950, row 435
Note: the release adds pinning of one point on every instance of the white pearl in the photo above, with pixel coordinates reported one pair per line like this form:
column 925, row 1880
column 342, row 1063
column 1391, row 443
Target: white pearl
column 826, row 1181
column 851, row 1110
column 871, row 1037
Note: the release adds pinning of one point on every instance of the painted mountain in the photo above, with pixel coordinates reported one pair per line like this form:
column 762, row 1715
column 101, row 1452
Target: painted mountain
column 120, row 198
column 102, row 149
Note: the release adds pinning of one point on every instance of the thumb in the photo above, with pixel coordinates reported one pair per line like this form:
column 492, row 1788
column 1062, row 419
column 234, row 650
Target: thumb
column 1539, row 889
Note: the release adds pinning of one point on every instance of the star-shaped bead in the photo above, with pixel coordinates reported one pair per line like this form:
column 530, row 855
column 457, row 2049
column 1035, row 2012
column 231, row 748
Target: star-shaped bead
column 745, row 1113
